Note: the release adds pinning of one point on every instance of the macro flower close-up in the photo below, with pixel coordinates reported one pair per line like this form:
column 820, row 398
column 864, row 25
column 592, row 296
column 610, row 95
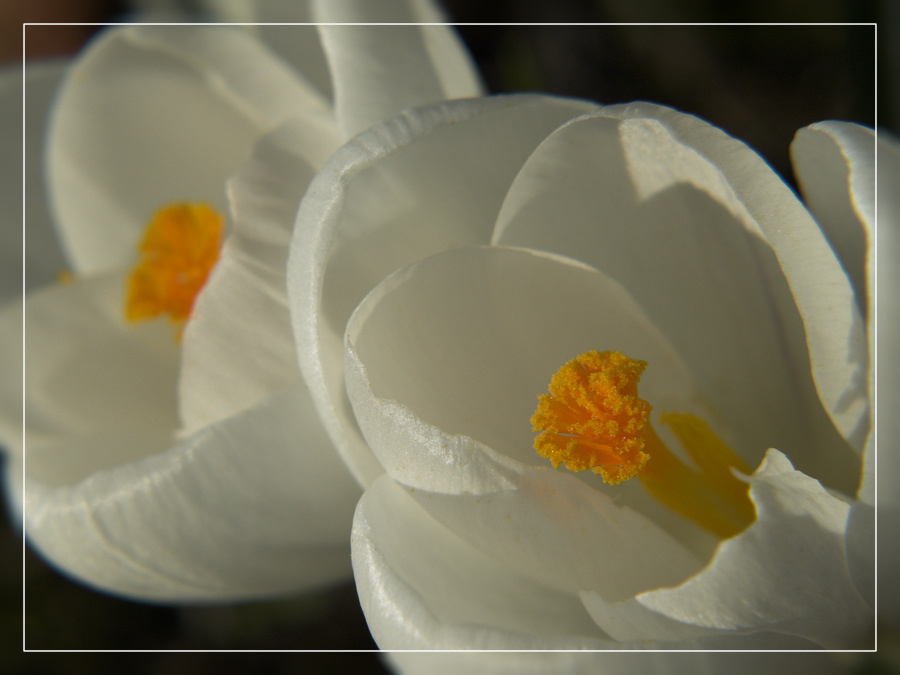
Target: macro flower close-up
column 704, row 341
column 324, row 346
column 173, row 453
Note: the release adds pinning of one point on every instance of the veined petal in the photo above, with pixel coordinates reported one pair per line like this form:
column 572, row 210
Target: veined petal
column 787, row 572
column 382, row 202
column 421, row 587
column 379, row 70
column 669, row 207
column 835, row 167
column 214, row 517
column 153, row 115
column 238, row 346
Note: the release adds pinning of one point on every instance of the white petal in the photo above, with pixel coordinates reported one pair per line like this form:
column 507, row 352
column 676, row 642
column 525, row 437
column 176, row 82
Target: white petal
column 835, row 167
column 43, row 255
column 218, row 516
column 786, row 573
column 421, row 587
column 98, row 392
column 382, row 202
column 238, row 346
column 888, row 460
column 570, row 663
column 682, row 216
column 11, row 358
column 298, row 45
column 153, row 115
column 446, row 359
column 557, row 530
column 379, row 70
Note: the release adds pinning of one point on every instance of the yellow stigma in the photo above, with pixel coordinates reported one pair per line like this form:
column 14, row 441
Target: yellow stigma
column 593, row 419
column 178, row 251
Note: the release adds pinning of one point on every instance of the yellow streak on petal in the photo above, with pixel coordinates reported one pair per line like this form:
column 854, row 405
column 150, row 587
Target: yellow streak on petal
column 593, row 419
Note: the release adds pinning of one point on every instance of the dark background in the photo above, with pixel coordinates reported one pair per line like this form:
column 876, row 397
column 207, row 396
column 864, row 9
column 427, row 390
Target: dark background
column 758, row 83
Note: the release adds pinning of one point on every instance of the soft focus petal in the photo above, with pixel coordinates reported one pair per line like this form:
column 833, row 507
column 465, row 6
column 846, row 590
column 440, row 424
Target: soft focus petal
column 153, row 115
column 382, row 202
column 835, row 167
column 102, row 396
column 421, row 587
column 111, row 498
column 11, row 357
column 43, row 256
column 298, row 45
column 786, row 572
column 671, row 206
column 377, row 71
column 219, row 516
column 238, row 347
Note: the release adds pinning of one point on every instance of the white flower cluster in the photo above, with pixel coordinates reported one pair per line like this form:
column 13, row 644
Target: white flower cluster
column 406, row 264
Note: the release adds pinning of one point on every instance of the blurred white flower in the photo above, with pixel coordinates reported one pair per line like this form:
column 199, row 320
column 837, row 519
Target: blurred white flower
column 195, row 470
column 459, row 253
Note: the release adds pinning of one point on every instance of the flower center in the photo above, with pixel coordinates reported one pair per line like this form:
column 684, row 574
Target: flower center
column 593, row 419
column 178, row 251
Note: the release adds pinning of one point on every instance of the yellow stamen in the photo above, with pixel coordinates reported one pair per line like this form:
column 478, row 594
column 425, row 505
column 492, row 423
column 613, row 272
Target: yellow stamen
column 593, row 419
column 178, row 251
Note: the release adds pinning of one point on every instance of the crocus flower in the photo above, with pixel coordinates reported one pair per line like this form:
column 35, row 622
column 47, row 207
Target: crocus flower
column 187, row 462
column 461, row 254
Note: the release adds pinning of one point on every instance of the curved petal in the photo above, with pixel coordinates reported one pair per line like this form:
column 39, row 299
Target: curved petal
column 835, row 167
column 379, row 70
column 421, row 587
column 444, row 363
column 465, row 341
column 786, row 572
column 98, row 392
column 277, row 24
column 238, row 347
column 382, row 202
column 217, row 516
column 157, row 114
column 43, row 255
column 657, row 199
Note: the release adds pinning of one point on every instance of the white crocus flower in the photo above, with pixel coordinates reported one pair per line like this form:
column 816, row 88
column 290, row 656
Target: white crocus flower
column 197, row 469
column 459, row 254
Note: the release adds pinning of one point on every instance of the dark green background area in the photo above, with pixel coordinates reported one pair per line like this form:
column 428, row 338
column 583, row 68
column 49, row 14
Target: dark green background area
column 759, row 83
